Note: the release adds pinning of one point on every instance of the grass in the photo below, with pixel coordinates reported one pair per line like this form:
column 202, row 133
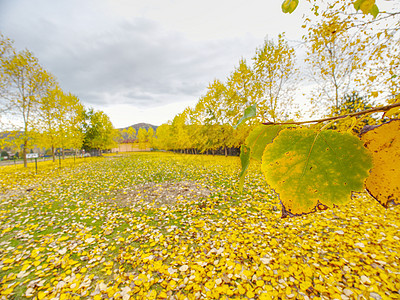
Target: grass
column 65, row 239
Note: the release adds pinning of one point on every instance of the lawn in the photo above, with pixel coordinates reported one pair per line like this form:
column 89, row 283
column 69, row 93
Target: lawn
column 168, row 226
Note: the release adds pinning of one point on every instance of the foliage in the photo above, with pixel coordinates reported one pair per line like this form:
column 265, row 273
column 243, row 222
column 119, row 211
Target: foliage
column 366, row 6
column 316, row 169
column 142, row 137
column 35, row 111
column 335, row 59
column 98, row 131
column 274, row 69
column 59, row 120
column 23, row 81
column 264, row 89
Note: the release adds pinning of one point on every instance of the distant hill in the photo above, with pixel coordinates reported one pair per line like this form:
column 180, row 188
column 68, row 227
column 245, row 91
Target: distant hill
column 141, row 125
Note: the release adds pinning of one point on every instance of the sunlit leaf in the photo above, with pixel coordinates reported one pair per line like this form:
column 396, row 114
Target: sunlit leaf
column 367, row 6
column 260, row 137
column 374, row 11
column 249, row 112
column 307, row 168
column 384, row 181
column 288, row 6
column 254, row 146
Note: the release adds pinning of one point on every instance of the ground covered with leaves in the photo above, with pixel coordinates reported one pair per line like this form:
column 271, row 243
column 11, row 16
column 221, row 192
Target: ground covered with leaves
column 167, row 226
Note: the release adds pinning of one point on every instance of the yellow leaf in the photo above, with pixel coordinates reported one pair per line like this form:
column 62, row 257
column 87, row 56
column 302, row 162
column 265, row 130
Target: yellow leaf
column 8, row 291
column 393, row 111
column 384, row 143
column 250, row 294
column 41, row 295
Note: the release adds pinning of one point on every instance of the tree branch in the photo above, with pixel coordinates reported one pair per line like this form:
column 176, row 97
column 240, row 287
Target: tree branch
column 367, row 111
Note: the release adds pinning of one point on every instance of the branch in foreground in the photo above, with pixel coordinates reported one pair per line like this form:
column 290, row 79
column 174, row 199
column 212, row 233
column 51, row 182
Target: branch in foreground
column 364, row 112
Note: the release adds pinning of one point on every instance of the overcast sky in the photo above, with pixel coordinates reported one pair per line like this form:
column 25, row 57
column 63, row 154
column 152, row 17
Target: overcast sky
column 143, row 61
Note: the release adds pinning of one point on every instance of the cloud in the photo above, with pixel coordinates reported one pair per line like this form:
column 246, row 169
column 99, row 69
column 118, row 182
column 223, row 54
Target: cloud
column 137, row 53
column 135, row 61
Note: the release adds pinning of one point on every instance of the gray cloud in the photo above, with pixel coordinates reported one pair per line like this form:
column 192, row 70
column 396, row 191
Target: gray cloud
column 133, row 61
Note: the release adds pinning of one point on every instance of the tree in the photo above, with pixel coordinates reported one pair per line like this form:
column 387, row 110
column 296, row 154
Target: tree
column 350, row 51
column 23, row 83
column 335, row 56
column 240, row 92
column 98, row 131
column 124, row 134
column 274, row 69
column 59, row 120
column 48, row 126
column 179, row 131
column 163, row 137
column 131, row 133
column 6, row 48
column 352, row 103
column 215, row 111
column 142, row 138
column 70, row 118
column 150, row 136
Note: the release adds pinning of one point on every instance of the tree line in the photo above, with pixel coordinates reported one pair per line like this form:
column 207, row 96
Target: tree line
column 143, row 138
column 35, row 111
column 351, row 63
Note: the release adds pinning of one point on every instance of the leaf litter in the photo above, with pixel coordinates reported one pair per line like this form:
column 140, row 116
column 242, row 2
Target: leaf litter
column 69, row 239
column 159, row 194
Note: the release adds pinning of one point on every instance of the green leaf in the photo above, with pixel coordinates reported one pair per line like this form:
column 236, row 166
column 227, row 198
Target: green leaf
column 259, row 137
column 245, row 159
column 357, row 4
column 249, row 112
column 288, row 6
column 374, row 11
column 308, row 168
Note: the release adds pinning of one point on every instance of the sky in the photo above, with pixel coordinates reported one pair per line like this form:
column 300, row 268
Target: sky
column 146, row 60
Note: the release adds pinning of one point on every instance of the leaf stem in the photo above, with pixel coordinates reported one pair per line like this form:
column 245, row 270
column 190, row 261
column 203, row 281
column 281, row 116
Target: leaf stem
column 367, row 111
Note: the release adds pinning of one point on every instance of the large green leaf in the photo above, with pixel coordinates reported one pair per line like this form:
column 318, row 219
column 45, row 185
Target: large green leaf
column 307, row 168
column 259, row 137
column 249, row 112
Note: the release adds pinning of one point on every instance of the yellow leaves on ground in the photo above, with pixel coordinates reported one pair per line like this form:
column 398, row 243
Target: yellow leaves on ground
column 384, row 181
column 69, row 238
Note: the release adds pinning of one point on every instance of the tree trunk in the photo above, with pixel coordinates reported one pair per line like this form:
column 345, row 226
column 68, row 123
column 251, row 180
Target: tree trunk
column 24, row 154
column 52, row 153
column 226, row 151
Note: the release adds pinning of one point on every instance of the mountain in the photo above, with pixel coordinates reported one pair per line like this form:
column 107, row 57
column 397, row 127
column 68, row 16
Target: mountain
column 140, row 125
